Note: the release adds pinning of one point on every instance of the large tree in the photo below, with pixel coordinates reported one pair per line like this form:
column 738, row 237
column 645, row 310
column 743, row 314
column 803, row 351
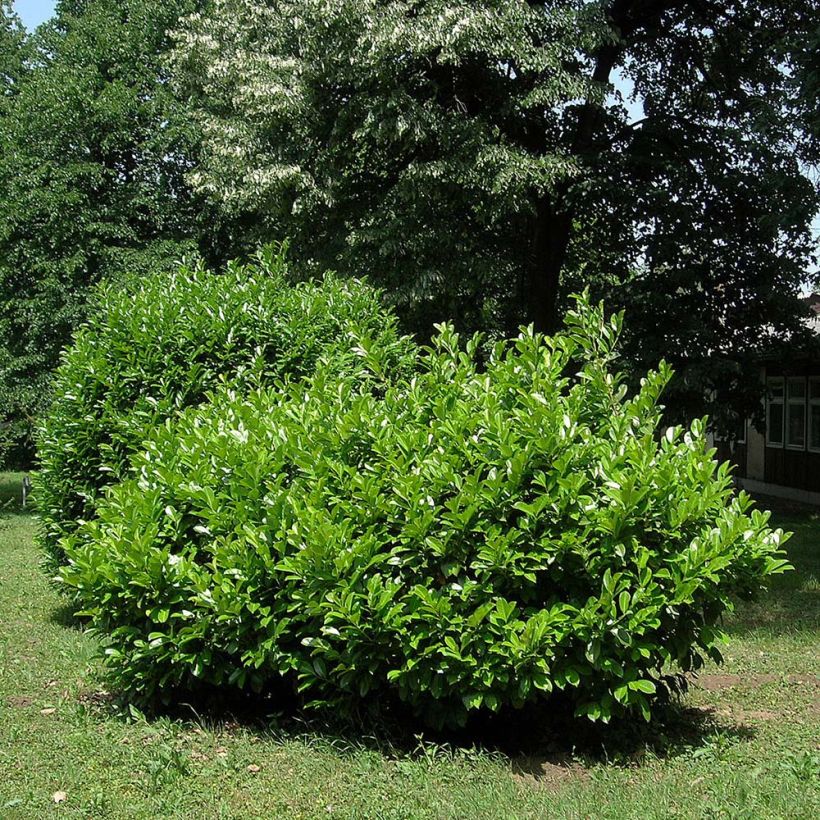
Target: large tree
column 480, row 158
column 93, row 152
column 12, row 52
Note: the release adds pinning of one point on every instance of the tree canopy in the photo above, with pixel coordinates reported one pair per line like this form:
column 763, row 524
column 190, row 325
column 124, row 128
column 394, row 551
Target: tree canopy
column 12, row 51
column 481, row 159
column 478, row 160
column 93, row 152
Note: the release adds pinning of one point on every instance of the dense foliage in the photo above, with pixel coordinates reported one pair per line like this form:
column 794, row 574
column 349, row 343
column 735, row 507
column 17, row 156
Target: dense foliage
column 12, row 52
column 472, row 538
column 93, row 152
column 13, row 49
column 481, row 160
column 159, row 346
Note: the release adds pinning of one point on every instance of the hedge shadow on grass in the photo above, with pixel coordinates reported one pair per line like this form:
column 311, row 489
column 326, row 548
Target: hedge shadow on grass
column 11, row 493
column 63, row 615
column 535, row 741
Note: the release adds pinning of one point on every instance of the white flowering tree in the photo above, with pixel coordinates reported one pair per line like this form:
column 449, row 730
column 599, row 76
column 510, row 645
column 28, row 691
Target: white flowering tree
column 365, row 128
column 478, row 157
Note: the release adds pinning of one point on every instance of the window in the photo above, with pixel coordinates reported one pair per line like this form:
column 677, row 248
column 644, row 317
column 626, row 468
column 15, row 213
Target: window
column 796, row 413
column 774, row 413
column 814, row 413
column 740, row 430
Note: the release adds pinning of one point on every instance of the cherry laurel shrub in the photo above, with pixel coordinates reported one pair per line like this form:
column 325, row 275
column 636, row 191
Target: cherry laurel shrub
column 477, row 536
column 151, row 350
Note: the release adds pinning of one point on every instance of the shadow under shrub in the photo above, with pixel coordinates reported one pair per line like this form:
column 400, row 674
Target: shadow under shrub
column 159, row 346
column 471, row 539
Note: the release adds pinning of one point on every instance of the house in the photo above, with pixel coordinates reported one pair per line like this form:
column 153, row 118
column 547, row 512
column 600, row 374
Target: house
column 784, row 458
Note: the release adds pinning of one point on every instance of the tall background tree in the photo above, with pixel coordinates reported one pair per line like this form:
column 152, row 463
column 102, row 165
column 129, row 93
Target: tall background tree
column 479, row 160
column 12, row 52
column 93, row 152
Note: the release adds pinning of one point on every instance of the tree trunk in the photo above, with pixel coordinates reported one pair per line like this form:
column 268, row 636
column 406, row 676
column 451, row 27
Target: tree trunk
column 553, row 219
column 551, row 233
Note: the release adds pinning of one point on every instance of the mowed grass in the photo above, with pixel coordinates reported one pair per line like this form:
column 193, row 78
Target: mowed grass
column 744, row 744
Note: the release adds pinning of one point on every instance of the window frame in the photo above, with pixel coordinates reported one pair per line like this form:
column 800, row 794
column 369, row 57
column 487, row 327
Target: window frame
column 801, row 401
column 781, row 401
column 811, row 402
column 742, row 438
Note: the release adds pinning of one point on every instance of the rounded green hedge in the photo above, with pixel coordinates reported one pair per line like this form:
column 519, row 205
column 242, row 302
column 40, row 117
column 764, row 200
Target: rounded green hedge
column 475, row 537
column 159, row 346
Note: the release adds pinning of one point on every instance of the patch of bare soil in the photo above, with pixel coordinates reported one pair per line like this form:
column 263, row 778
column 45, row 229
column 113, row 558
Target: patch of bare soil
column 714, row 683
column 95, row 699
column 546, row 773
column 804, row 680
column 747, row 716
column 20, row 701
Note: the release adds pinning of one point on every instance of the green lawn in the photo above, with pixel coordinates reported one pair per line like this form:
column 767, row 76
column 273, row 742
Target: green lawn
column 745, row 746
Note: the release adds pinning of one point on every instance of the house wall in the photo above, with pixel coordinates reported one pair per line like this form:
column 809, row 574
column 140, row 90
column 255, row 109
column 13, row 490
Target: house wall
column 783, row 465
column 777, row 469
column 793, row 469
column 755, row 467
column 734, row 453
